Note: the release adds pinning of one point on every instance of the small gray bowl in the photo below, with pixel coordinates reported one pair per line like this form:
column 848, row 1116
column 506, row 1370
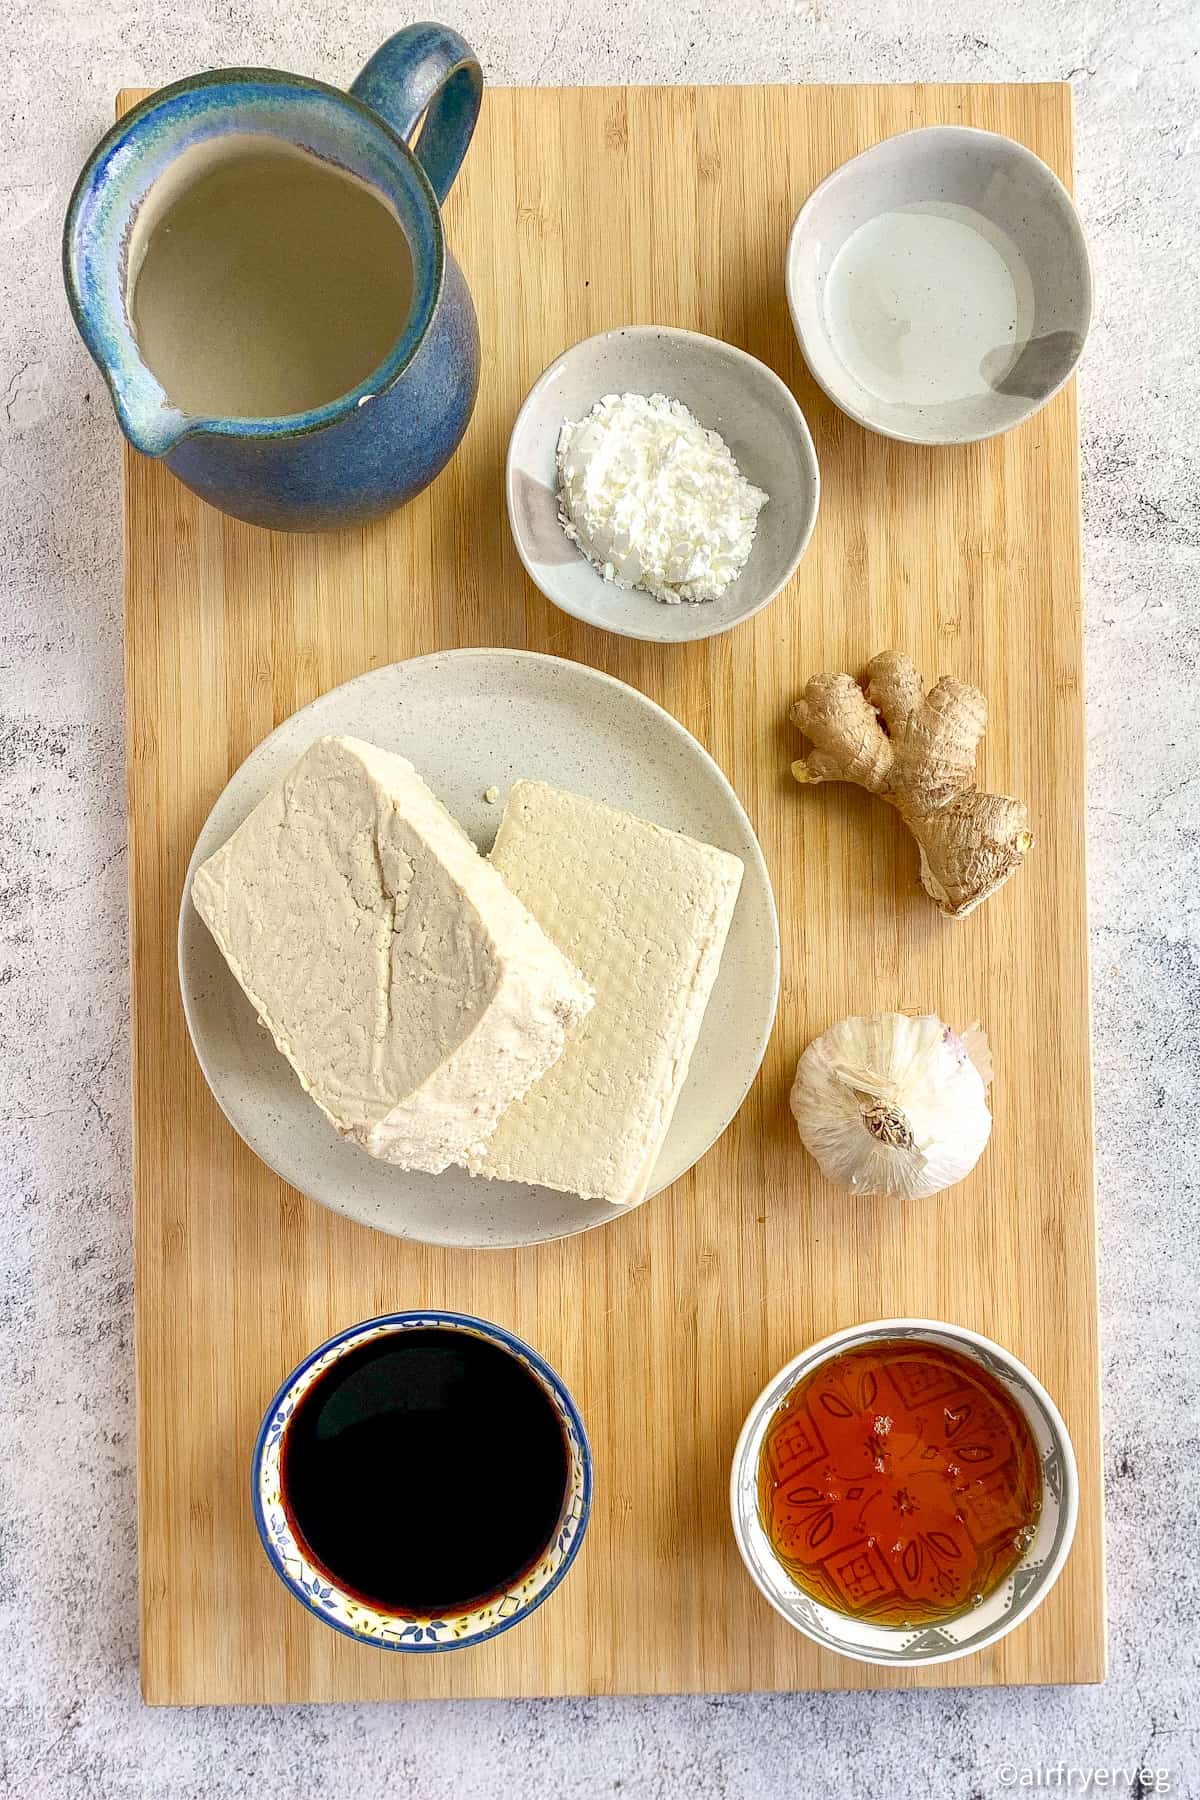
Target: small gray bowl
column 1001, row 1610
column 729, row 392
column 939, row 285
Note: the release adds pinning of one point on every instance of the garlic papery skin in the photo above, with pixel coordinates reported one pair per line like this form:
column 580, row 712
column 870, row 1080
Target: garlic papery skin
column 894, row 1105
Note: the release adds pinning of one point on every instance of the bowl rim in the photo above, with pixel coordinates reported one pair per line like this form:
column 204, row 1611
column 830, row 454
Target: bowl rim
column 1020, row 152
column 875, row 1330
column 789, row 405
column 384, row 1324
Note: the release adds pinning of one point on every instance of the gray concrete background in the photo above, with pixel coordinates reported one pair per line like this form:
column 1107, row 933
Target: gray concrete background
column 72, row 1724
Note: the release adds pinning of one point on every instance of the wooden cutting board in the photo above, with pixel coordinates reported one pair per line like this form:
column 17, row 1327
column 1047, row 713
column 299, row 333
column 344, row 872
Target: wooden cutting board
column 578, row 210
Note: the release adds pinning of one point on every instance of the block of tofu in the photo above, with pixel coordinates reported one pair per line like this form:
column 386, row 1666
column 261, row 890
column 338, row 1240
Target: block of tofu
column 414, row 995
column 643, row 914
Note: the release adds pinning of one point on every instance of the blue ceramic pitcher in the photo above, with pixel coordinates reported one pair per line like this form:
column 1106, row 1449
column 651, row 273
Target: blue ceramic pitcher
column 385, row 440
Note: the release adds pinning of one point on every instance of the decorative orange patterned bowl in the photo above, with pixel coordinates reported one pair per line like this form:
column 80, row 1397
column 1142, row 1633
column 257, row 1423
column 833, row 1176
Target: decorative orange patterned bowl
column 858, row 1568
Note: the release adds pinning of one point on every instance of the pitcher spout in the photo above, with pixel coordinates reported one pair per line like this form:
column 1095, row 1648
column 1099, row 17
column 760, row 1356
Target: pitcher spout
column 148, row 420
column 96, row 266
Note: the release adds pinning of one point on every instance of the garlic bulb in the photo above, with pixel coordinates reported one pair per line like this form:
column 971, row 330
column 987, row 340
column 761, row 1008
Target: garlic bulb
column 894, row 1105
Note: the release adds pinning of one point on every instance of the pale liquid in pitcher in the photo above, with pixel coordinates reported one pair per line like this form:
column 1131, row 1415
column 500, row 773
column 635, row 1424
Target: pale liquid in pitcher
column 266, row 282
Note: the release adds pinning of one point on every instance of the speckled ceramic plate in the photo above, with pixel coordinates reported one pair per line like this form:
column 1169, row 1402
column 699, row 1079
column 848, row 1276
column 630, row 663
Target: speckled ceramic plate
column 470, row 720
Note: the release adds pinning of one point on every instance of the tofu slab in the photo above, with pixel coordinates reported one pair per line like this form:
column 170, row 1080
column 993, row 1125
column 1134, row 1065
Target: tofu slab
column 643, row 913
column 414, row 995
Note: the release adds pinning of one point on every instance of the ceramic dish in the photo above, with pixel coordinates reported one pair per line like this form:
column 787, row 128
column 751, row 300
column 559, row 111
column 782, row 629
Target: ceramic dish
column 336, row 1606
column 470, row 720
column 729, row 392
column 939, row 285
column 341, row 460
column 1008, row 1605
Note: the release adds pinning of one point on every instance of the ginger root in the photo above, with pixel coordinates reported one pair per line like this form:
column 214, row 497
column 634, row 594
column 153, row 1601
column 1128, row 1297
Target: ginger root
column 917, row 752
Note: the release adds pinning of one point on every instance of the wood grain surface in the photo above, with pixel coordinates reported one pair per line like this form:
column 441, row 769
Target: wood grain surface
column 579, row 210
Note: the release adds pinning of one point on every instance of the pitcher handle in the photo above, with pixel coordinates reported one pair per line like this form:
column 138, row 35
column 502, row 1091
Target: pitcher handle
column 426, row 69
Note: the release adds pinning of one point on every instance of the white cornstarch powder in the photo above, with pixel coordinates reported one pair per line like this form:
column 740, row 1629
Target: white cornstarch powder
column 654, row 500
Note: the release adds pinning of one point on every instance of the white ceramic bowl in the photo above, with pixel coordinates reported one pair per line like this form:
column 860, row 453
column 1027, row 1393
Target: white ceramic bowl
column 729, row 392
column 1001, row 1610
column 939, row 285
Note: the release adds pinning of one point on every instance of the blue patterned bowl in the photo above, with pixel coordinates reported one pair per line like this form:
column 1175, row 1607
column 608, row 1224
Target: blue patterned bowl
column 412, row 1631
column 1011, row 1602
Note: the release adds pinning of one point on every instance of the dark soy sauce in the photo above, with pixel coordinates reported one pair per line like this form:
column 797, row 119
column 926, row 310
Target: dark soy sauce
column 425, row 1470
